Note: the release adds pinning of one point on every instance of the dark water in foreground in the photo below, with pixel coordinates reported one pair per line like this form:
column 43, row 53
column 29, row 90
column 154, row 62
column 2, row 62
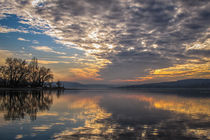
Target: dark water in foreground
column 105, row 114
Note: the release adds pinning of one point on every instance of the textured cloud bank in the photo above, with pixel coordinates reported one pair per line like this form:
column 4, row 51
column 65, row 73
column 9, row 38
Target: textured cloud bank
column 134, row 36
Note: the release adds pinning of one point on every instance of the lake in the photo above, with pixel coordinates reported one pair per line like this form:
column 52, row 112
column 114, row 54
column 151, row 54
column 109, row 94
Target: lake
column 105, row 114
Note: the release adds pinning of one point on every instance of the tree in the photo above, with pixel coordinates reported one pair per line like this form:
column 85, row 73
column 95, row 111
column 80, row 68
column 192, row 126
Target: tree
column 17, row 73
column 3, row 76
column 45, row 75
column 34, row 72
column 14, row 72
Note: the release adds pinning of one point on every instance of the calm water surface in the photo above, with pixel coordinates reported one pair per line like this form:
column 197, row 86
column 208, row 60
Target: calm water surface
column 105, row 114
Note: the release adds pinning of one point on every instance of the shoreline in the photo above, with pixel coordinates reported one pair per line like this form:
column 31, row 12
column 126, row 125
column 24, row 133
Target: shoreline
column 16, row 89
column 117, row 88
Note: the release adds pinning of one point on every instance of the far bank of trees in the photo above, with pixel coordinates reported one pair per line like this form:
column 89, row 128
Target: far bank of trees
column 19, row 73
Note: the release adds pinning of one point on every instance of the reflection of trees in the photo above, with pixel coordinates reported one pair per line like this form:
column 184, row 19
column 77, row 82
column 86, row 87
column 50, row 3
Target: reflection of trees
column 16, row 105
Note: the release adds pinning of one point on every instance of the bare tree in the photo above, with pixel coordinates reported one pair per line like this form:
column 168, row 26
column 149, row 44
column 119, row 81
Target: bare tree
column 4, row 77
column 15, row 71
column 45, row 75
column 18, row 73
column 34, row 72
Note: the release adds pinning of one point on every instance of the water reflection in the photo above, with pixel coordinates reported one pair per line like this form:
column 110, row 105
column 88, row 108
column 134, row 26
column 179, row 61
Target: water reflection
column 86, row 110
column 16, row 105
column 191, row 106
column 157, row 116
column 104, row 115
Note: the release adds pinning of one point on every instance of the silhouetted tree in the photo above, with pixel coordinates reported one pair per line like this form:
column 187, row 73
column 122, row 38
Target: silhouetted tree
column 34, row 72
column 45, row 75
column 3, row 76
column 16, row 72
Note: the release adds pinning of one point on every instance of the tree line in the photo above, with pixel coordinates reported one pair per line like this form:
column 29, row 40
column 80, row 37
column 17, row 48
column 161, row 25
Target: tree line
column 19, row 73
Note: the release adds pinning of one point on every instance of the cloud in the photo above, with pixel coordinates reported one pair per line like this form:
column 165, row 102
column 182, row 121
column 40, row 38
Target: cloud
column 84, row 74
column 176, row 72
column 2, row 16
column 134, row 36
column 184, row 70
column 138, row 79
column 130, row 64
column 43, row 48
column 204, row 53
column 7, row 30
column 46, row 62
column 201, row 49
column 67, row 57
column 47, row 49
column 22, row 39
column 35, row 42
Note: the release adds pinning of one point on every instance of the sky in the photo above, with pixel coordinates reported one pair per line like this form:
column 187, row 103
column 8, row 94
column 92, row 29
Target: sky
column 110, row 41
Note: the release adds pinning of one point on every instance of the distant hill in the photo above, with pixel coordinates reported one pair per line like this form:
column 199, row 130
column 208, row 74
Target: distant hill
column 188, row 83
column 76, row 85
column 73, row 85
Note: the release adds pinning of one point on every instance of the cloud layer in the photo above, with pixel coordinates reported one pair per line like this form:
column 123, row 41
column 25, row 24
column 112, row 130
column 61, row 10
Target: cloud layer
column 134, row 36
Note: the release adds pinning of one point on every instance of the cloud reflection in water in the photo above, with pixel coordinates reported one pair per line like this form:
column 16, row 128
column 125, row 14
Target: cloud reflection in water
column 108, row 115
